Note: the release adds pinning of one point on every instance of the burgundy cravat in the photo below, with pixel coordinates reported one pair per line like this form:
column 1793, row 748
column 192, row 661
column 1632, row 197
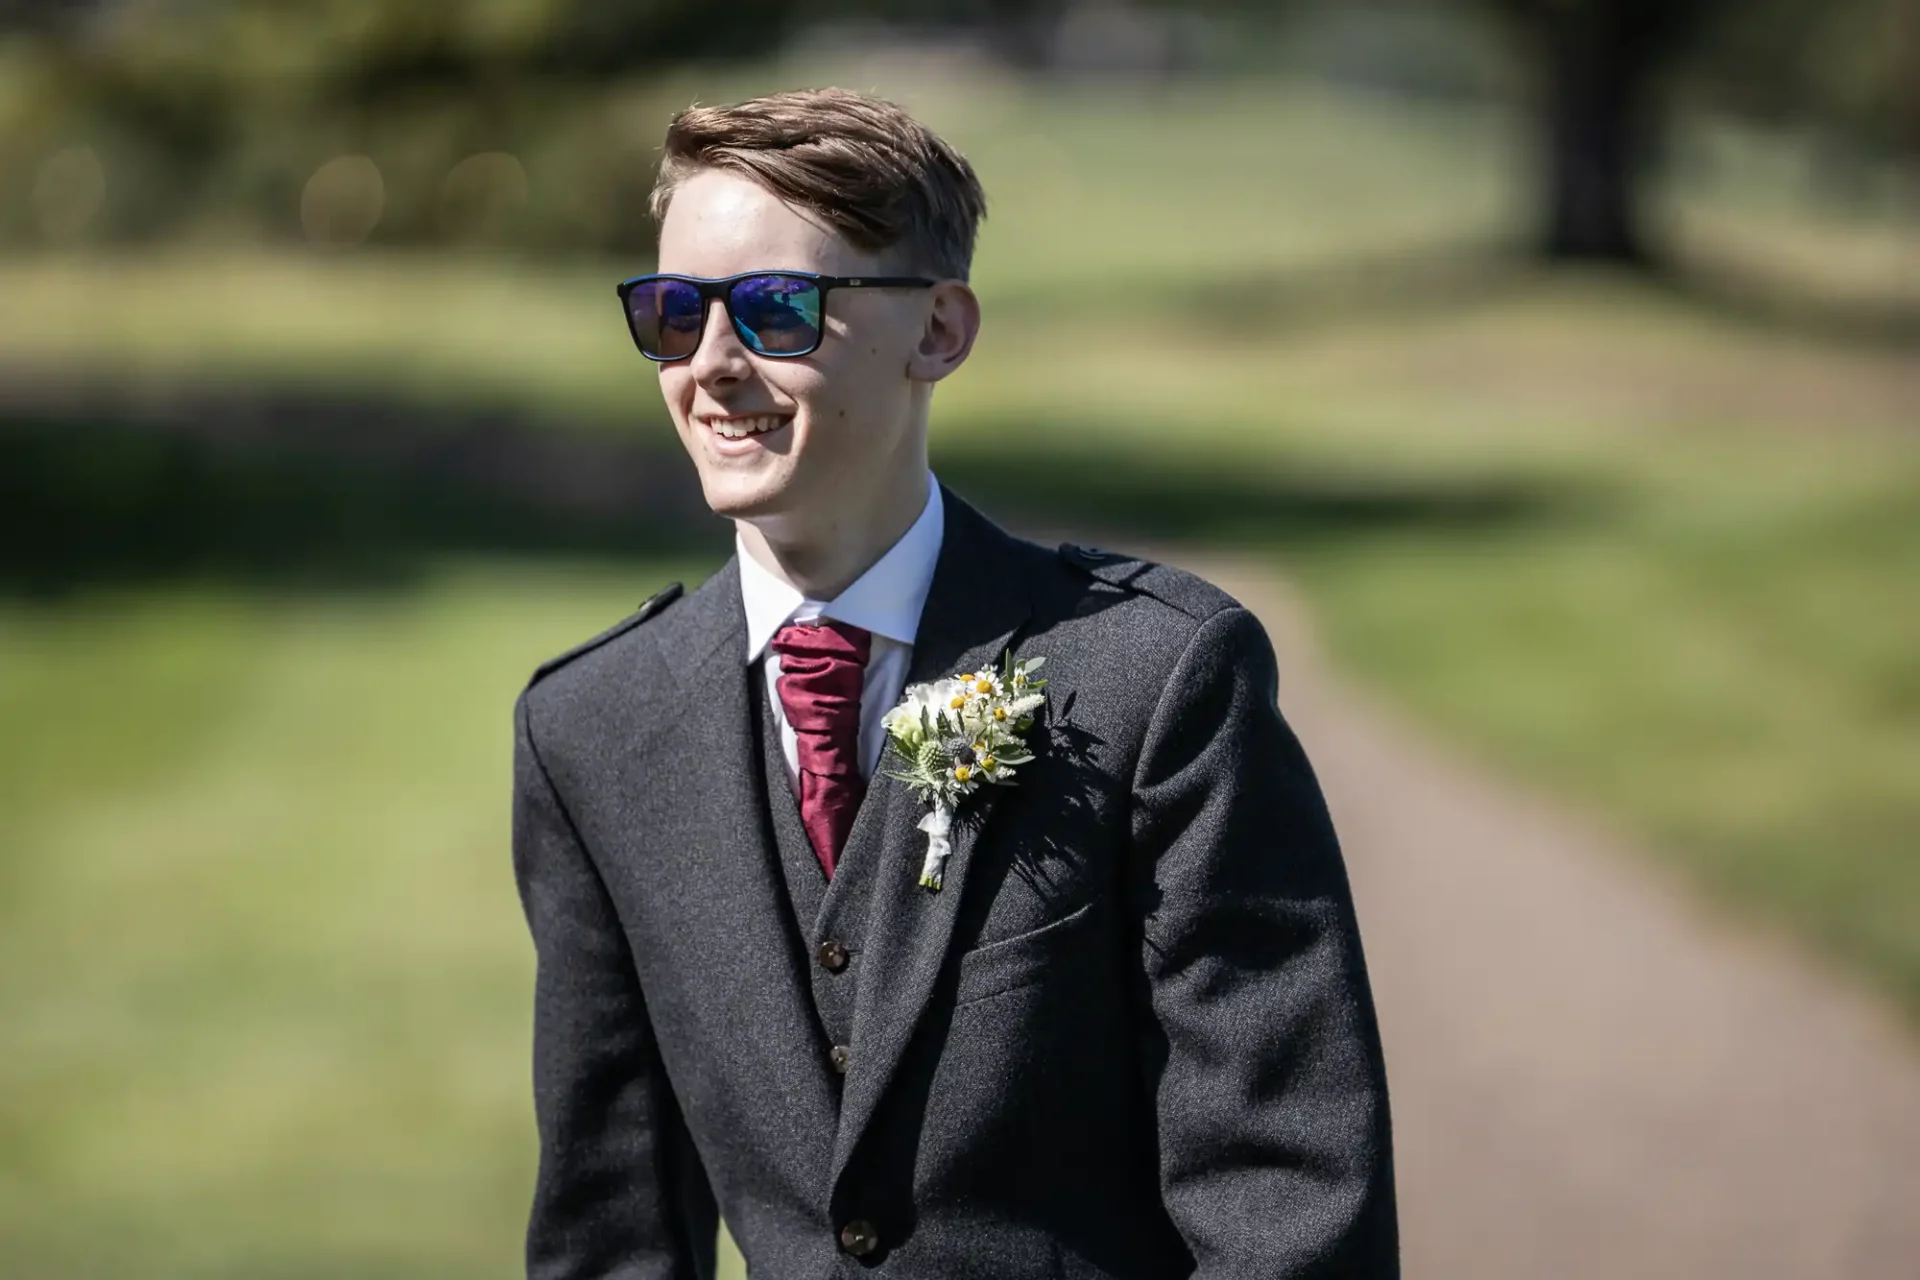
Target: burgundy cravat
column 821, row 669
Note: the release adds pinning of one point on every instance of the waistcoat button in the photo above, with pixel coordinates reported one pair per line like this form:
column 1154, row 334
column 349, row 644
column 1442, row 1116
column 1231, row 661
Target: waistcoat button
column 859, row 1238
column 841, row 1057
column 832, row 956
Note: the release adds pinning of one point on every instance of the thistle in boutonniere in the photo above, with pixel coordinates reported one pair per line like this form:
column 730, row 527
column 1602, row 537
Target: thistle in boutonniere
column 951, row 737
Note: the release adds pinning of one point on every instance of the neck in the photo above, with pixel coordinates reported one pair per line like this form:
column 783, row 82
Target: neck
column 825, row 558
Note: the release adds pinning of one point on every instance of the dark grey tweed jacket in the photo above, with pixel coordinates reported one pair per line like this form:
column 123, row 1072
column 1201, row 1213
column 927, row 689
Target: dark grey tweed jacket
column 1130, row 1038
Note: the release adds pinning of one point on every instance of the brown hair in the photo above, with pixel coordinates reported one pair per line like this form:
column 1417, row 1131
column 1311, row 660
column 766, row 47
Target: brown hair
column 871, row 171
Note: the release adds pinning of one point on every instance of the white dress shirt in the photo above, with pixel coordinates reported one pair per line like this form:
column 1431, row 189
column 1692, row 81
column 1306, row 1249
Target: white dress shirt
column 885, row 600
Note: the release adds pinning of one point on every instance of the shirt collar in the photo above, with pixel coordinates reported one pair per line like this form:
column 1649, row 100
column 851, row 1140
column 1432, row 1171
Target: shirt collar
column 885, row 600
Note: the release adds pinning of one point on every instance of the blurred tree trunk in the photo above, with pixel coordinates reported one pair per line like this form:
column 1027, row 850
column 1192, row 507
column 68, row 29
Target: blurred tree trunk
column 1594, row 127
column 1597, row 64
column 1906, row 36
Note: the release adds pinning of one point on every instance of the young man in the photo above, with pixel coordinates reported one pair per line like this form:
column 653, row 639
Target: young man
column 1129, row 1033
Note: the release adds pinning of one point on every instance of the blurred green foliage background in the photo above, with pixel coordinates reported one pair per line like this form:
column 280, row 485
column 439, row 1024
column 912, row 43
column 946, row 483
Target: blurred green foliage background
column 320, row 428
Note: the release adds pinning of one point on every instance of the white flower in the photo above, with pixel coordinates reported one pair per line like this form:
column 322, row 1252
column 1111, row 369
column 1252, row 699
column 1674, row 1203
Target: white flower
column 984, row 685
column 921, row 706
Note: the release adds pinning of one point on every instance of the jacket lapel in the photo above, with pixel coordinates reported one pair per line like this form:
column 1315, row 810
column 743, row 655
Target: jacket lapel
column 731, row 852
column 975, row 609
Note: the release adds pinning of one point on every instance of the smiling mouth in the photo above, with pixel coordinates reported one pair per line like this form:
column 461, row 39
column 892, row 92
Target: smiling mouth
column 747, row 425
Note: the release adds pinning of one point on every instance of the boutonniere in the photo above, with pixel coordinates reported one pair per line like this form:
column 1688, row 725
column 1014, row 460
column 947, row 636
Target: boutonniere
column 951, row 737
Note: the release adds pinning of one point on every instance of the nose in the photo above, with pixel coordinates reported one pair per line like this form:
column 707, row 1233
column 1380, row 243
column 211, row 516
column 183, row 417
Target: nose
column 721, row 358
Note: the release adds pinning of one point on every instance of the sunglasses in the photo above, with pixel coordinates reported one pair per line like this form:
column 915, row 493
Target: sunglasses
column 782, row 314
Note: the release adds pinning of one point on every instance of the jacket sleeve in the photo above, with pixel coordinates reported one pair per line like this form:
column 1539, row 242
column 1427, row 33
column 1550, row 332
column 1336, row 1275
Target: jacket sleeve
column 620, row 1193
column 1259, row 1041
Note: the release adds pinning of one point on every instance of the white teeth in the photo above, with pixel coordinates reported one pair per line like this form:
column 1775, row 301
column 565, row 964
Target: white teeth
column 740, row 428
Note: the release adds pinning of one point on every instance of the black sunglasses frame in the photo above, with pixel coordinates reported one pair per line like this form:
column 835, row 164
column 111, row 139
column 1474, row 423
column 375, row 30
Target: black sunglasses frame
column 721, row 288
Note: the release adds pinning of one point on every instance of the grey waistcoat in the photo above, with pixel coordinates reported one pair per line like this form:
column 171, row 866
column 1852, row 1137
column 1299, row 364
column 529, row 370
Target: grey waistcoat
column 823, row 911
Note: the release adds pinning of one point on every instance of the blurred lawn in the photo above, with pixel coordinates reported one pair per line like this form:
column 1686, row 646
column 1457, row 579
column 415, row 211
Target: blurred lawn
column 265, row 983
column 262, row 976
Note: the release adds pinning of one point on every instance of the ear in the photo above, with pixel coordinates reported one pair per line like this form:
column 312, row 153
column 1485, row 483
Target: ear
column 953, row 322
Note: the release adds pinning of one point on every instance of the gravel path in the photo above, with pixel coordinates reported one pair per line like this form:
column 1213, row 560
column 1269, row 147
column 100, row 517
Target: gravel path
column 1593, row 1073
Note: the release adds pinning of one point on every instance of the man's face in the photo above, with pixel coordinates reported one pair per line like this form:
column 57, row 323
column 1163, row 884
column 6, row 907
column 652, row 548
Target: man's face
column 830, row 427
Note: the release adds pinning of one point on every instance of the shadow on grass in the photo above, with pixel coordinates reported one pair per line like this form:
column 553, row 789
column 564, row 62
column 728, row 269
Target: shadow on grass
column 1456, row 279
column 310, row 493
column 1296, row 297
column 1744, row 300
column 292, row 492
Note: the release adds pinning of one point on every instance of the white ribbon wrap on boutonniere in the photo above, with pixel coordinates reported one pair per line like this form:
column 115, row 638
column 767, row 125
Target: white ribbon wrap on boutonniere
column 951, row 737
column 938, row 824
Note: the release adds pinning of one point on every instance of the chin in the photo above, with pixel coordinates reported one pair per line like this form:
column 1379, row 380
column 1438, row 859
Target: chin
column 743, row 497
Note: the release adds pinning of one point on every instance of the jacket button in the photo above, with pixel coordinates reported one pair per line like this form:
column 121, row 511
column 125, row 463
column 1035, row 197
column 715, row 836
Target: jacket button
column 859, row 1238
column 833, row 956
column 841, row 1057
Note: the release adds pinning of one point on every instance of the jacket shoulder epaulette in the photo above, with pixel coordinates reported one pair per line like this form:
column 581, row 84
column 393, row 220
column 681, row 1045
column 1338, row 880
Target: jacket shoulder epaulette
column 1176, row 588
column 652, row 605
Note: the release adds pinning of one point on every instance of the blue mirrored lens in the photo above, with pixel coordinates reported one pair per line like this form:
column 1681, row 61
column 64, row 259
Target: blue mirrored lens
column 777, row 315
column 666, row 317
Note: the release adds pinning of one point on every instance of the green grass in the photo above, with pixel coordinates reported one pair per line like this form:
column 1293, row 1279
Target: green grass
column 1732, row 676
column 264, row 982
column 262, row 979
